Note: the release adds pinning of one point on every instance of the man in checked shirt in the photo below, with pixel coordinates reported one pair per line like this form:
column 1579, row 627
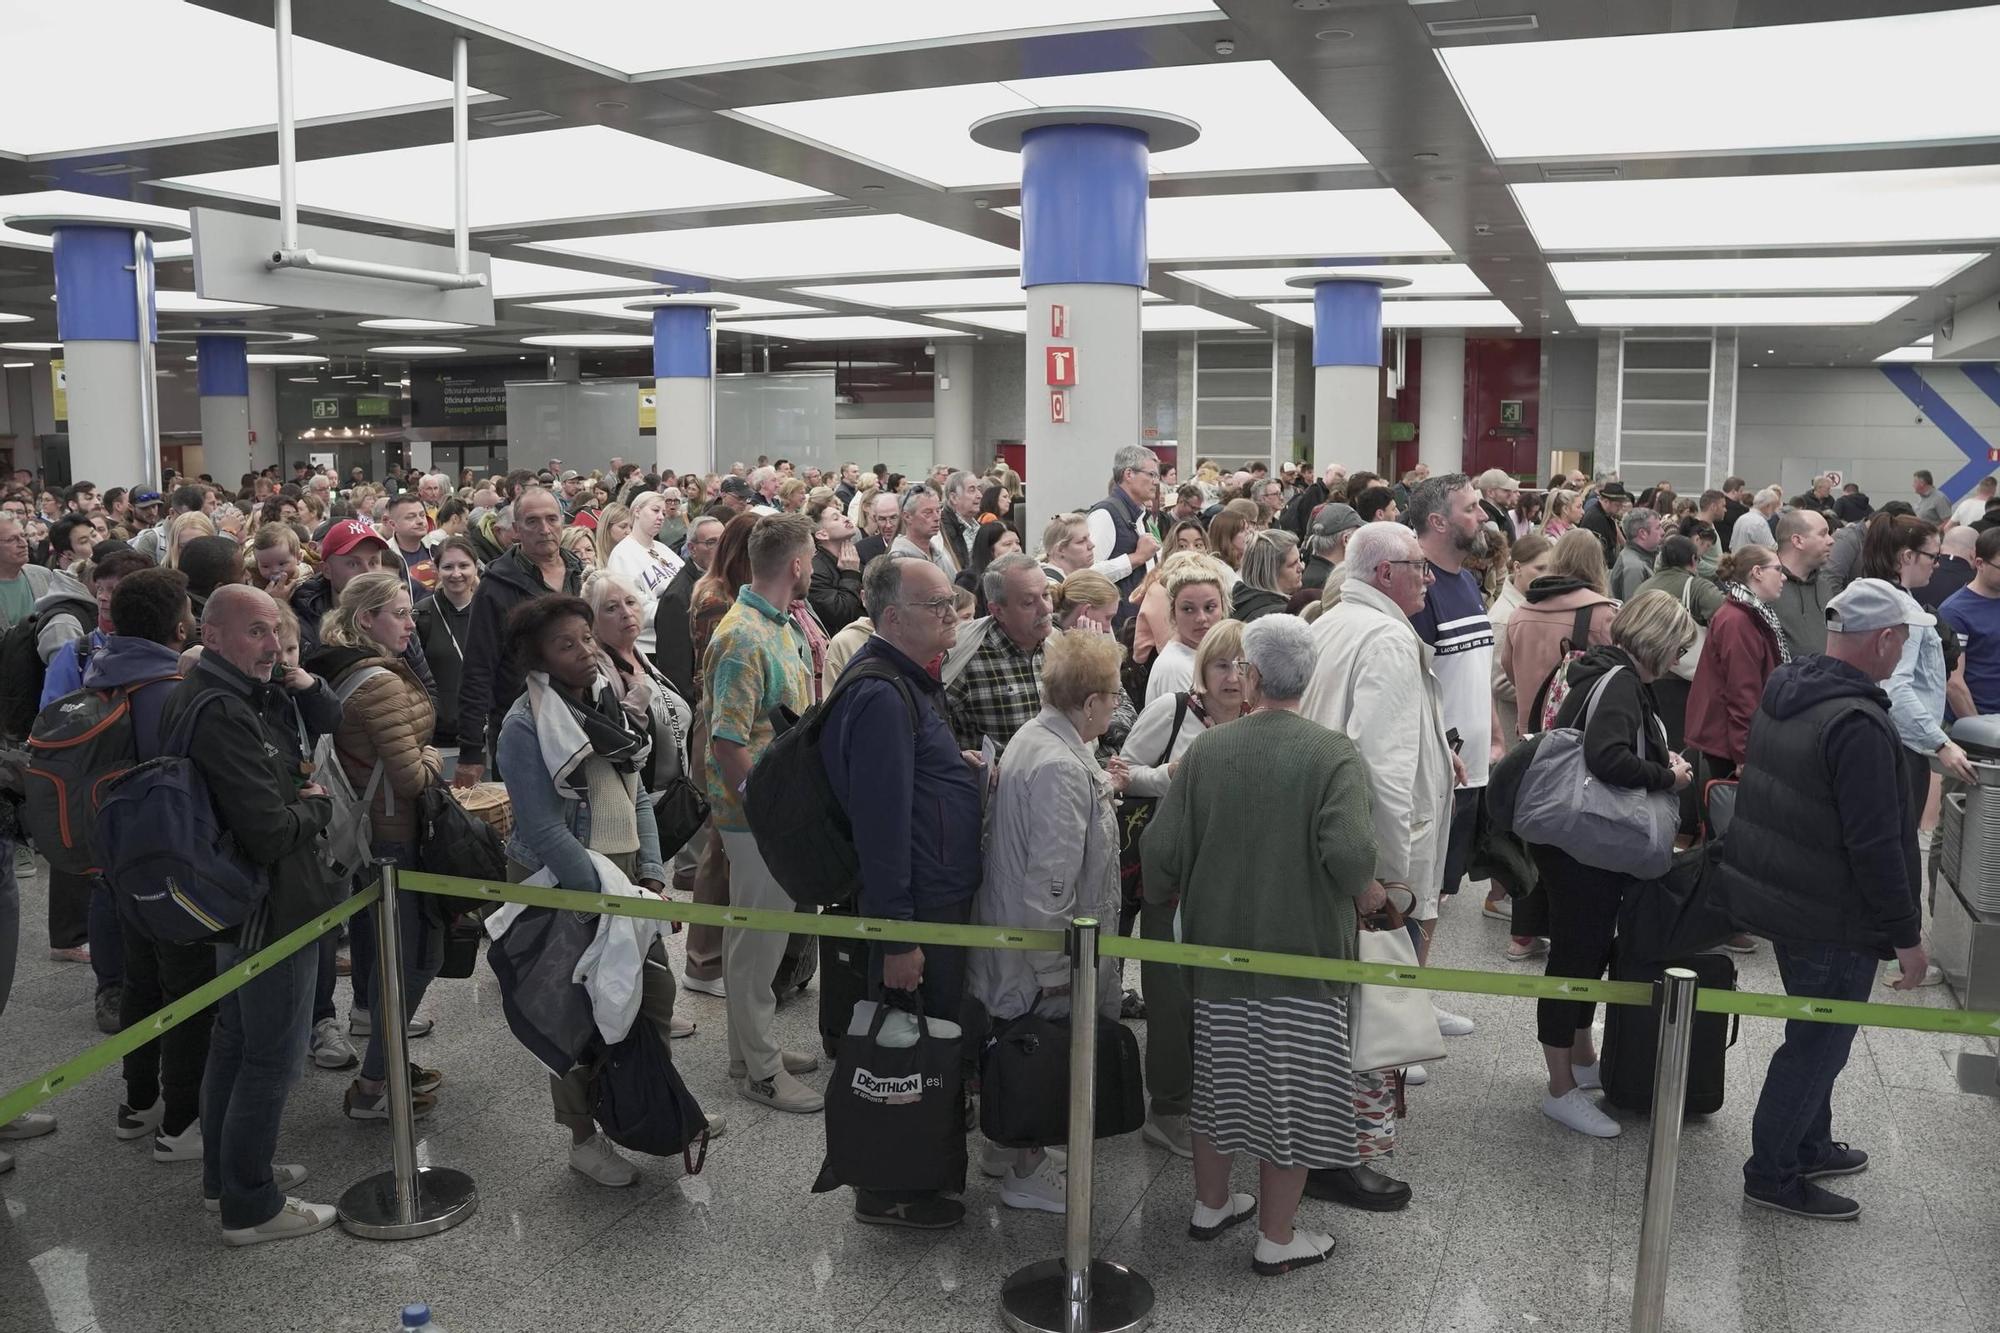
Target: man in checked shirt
column 993, row 676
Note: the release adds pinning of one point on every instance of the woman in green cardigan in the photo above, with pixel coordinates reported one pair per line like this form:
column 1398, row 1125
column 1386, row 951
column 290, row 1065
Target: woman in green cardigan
column 1265, row 836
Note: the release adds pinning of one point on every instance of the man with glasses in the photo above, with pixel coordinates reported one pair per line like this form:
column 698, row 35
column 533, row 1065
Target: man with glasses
column 22, row 582
column 993, row 674
column 1118, row 523
column 917, row 864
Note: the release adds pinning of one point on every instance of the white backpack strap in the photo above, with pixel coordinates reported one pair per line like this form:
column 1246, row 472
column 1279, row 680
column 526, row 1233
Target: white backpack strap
column 345, row 691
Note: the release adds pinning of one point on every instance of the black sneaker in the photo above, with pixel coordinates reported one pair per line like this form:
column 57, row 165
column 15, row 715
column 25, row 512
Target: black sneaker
column 1842, row 1161
column 1808, row 1200
column 931, row 1212
column 109, row 1001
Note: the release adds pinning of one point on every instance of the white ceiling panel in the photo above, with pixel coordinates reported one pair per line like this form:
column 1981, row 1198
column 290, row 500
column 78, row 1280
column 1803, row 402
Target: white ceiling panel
column 514, row 279
column 516, row 180
column 934, row 293
column 637, row 36
column 613, row 307
column 88, row 205
column 1415, row 314
column 1930, row 205
column 1732, row 311
column 166, row 70
column 1881, row 80
column 839, row 328
column 1162, row 318
column 1251, row 117
column 818, row 248
column 1865, row 273
column 1272, row 284
column 1324, row 225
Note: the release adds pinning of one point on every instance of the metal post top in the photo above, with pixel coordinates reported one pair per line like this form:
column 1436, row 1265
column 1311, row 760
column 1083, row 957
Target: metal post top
column 48, row 224
column 1382, row 280
column 689, row 301
column 1164, row 131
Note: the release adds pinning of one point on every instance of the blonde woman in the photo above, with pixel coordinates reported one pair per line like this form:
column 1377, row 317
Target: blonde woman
column 614, row 525
column 864, row 495
column 582, row 543
column 1561, row 515
column 645, row 562
column 1196, row 603
column 183, row 529
column 791, row 496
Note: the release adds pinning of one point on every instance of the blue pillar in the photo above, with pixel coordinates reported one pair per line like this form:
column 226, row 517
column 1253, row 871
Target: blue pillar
column 113, row 438
column 1347, row 323
column 683, row 379
column 681, row 343
column 1347, row 368
column 222, row 374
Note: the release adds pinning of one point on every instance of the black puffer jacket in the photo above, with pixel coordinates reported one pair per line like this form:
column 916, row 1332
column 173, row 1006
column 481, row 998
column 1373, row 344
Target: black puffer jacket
column 1613, row 750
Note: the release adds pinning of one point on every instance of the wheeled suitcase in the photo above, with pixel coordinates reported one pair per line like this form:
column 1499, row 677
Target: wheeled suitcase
column 796, row 968
column 1631, row 1040
column 843, row 982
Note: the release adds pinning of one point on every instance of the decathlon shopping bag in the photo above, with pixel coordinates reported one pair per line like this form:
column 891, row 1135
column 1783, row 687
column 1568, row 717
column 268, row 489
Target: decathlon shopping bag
column 895, row 1117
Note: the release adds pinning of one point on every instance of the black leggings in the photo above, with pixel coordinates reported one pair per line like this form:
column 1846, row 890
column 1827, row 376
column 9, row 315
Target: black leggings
column 1583, row 924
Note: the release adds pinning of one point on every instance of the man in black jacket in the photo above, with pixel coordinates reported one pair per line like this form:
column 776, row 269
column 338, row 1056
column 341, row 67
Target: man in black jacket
column 673, row 629
column 260, row 1028
column 1602, row 521
column 836, row 583
column 535, row 566
column 1820, row 860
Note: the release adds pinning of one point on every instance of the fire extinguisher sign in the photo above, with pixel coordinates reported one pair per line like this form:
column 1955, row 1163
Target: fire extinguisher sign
column 1061, row 366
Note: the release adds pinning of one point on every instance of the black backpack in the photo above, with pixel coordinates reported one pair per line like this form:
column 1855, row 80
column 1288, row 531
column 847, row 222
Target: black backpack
column 802, row 831
column 643, row 1104
column 22, row 670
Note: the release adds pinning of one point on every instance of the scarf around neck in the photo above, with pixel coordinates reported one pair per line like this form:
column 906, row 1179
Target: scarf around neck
column 1738, row 592
column 569, row 733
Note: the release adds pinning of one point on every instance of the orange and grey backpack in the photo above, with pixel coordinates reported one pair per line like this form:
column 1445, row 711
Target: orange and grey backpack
column 76, row 745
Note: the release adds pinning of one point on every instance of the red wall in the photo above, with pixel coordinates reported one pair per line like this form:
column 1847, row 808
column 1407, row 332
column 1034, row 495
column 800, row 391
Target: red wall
column 1497, row 369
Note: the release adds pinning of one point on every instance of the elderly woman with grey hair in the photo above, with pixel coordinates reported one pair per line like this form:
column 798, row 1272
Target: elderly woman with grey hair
column 1266, row 838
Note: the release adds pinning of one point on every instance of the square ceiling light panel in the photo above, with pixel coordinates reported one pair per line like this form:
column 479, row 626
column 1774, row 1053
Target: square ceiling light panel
column 1162, row 318
column 1910, row 353
column 137, row 44
column 613, row 307
column 515, row 280
column 1415, row 314
column 1928, row 205
column 1732, row 311
column 798, row 251
column 1787, row 85
column 629, row 35
column 839, row 328
column 1273, row 284
column 516, row 180
column 87, row 205
column 931, row 294
column 1251, row 117
column 1860, row 273
column 1325, row 226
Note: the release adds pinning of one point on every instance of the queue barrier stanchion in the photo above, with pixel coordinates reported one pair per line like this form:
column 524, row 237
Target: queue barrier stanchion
column 407, row 1200
column 1075, row 1293
column 1663, row 1151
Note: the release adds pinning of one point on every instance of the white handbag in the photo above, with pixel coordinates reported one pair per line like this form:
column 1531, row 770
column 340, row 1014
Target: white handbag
column 1391, row 1027
column 1689, row 660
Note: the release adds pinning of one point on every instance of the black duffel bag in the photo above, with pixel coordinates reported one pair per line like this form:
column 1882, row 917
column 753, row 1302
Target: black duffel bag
column 1024, row 1082
column 1676, row 916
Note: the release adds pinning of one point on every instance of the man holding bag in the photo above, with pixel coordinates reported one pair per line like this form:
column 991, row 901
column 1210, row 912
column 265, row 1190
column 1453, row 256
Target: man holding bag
column 913, row 799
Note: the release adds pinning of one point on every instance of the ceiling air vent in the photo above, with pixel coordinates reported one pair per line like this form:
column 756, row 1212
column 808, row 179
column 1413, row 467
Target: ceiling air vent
column 841, row 210
column 1444, row 29
column 509, row 119
column 110, row 169
column 1580, row 173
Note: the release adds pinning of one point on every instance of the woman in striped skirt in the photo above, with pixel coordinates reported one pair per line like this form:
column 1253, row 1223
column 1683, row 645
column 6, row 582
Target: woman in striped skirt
column 1266, row 837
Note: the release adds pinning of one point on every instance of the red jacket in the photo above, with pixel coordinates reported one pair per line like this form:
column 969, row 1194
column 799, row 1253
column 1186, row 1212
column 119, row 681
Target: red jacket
column 1740, row 655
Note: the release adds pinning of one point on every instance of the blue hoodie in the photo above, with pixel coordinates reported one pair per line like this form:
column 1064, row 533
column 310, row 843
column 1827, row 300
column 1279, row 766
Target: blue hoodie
column 124, row 661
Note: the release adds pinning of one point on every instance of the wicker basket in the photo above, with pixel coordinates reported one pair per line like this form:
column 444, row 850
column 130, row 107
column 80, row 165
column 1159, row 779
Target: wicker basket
column 488, row 801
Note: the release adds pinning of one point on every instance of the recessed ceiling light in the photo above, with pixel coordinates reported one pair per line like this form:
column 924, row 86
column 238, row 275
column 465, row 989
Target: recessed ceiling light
column 1414, row 314
column 6, row 318
column 1776, row 274
column 1732, row 311
column 1273, row 284
column 835, row 327
column 1333, row 35
column 282, row 359
column 416, row 349
column 414, row 325
column 17, row 365
column 609, row 106
column 597, row 340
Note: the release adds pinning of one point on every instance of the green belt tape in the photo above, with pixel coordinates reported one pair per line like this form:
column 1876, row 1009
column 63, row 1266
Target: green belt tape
column 101, row 1056
column 1856, row 1013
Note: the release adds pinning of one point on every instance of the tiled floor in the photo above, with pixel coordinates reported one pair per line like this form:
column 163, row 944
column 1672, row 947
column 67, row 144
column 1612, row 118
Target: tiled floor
column 1517, row 1224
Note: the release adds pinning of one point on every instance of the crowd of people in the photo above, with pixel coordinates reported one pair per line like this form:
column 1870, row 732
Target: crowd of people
column 1248, row 709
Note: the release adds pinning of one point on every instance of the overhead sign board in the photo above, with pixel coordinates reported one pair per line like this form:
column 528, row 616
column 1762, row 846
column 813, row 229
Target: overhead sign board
column 460, row 395
column 371, row 405
column 326, row 409
column 232, row 253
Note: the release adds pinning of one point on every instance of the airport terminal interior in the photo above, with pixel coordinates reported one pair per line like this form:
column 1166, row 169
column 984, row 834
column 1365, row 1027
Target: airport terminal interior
column 1668, row 243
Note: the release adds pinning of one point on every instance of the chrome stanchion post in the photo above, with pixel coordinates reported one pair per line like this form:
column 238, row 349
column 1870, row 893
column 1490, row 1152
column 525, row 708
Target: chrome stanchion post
column 1670, row 1078
column 1075, row 1293
column 407, row 1200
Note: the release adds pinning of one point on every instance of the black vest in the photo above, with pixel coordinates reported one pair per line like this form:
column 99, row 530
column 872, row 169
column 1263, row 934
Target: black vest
column 1124, row 540
column 1784, row 874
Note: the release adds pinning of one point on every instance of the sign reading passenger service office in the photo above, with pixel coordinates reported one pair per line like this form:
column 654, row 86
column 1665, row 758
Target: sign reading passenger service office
column 460, row 395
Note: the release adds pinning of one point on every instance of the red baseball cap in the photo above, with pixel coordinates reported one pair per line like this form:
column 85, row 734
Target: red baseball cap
column 347, row 534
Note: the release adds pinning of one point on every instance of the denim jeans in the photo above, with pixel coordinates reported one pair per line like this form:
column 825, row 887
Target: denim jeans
column 1793, row 1126
column 257, row 1052
column 423, row 955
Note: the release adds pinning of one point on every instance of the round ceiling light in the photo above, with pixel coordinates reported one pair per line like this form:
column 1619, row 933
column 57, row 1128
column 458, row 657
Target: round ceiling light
column 600, row 341
column 6, row 318
column 32, row 347
column 415, row 349
column 282, row 359
column 415, row 325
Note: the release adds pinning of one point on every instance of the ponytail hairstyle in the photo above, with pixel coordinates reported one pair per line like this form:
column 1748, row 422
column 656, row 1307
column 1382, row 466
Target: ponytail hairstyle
column 1884, row 541
column 365, row 593
column 1736, row 565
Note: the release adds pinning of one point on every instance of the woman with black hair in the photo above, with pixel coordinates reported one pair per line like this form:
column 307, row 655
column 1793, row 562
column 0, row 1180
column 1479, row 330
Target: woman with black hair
column 992, row 541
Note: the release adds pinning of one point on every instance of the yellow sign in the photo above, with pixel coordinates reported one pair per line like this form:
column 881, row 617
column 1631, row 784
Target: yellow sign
column 59, row 384
column 649, row 409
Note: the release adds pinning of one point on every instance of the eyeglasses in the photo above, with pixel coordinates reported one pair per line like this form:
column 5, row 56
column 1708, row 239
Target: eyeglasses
column 1931, row 556
column 941, row 605
column 1413, row 564
column 1231, row 666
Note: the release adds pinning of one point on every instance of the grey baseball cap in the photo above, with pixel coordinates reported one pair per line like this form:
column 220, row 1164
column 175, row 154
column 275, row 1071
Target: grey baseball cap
column 1872, row 604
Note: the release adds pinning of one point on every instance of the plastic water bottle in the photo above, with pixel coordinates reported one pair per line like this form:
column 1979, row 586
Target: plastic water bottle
column 417, row 1319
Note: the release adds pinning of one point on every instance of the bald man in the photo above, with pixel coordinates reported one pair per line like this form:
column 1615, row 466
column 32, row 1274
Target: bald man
column 260, row 1036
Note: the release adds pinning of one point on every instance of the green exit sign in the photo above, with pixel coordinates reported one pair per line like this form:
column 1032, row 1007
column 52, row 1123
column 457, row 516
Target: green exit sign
column 371, row 406
column 1398, row 432
column 325, row 409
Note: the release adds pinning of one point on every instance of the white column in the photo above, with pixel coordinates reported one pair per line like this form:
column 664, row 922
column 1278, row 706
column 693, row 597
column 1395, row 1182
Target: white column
column 684, row 439
column 1069, row 462
column 1347, row 416
column 952, row 391
column 1441, row 405
column 265, row 448
column 225, row 437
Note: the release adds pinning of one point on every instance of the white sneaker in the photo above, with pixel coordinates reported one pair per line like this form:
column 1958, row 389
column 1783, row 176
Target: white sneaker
column 1044, row 1188
column 795, row 1062
column 1271, row 1259
column 330, row 1047
column 360, row 1023
column 597, row 1158
column 1169, row 1132
column 782, row 1093
column 133, row 1124
column 1574, row 1110
column 1208, row 1223
column 1588, row 1077
column 1517, row 952
column 680, row 1028
column 706, row 986
column 1416, row 1076
column 1499, row 909
column 296, row 1218
column 996, row 1161
column 182, row 1147
column 1933, row 976
column 1453, row 1025
column 29, row 1125
column 285, row 1177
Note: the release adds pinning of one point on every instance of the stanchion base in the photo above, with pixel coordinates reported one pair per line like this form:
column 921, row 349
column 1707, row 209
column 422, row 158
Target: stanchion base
column 1036, row 1298
column 444, row 1199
